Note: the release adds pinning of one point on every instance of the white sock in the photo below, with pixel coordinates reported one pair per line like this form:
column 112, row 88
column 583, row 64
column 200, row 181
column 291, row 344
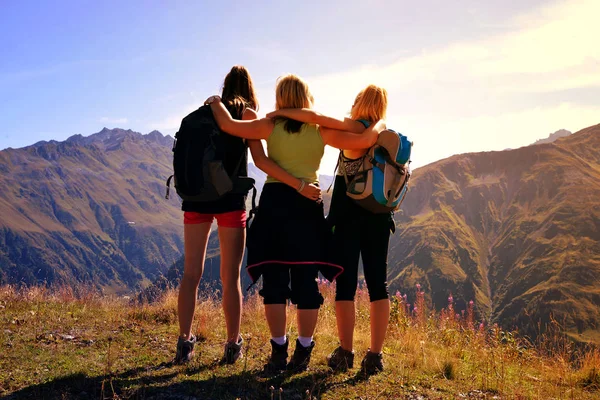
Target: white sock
column 280, row 340
column 305, row 341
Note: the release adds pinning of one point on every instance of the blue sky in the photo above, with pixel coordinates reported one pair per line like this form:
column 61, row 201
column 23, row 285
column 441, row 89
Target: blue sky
column 463, row 76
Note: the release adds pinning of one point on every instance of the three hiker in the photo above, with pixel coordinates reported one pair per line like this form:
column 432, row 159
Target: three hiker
column 290, row 241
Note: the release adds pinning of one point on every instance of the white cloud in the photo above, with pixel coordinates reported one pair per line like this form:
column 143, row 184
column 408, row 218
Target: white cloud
column 171, row 122
column 110, row 120
column 440, row 138
column 468, row 96
column 558, row 43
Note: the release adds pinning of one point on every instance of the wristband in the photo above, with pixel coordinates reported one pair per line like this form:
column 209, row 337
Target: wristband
column 301, row 187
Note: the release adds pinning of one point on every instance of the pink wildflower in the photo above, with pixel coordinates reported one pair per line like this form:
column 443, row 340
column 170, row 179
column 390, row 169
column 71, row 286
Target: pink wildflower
column 471, row 303
column 450, row 299
column 418, row 286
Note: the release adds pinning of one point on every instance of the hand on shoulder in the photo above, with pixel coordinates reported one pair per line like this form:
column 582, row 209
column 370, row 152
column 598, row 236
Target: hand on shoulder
column 249, row 114
column 211, row 99
column 273, row 114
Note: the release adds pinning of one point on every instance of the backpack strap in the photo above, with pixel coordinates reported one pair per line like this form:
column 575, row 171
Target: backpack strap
column 239, row 164
column 337, row 165
column 364, row 122
column 253, row 210
column 168, row 186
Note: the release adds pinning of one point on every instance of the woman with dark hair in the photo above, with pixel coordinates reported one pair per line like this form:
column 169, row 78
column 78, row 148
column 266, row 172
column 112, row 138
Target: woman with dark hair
column 240, row 99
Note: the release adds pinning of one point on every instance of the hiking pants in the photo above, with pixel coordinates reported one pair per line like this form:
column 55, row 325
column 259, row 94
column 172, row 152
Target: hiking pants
column 304, row 291
column 358, row 233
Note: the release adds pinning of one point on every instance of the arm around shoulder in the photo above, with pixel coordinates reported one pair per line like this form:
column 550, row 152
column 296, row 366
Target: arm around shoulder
column 345, row 140
column 311, row 116
column 247, row 129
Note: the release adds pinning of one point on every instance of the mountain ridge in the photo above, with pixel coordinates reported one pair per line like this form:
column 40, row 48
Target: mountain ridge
column 513, row 230
column 489, row 218
column 70, row 202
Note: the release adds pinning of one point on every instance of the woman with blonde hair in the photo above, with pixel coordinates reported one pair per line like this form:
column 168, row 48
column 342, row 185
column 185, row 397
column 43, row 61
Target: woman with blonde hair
column 356, row 232
column 287, row 240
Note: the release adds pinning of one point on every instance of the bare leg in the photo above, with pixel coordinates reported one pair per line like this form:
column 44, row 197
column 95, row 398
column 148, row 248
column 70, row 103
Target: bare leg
column 276, row 318
column 232, row 251
column 345, row 315
column 307, row 322
column 195, row 237
column 380, row 317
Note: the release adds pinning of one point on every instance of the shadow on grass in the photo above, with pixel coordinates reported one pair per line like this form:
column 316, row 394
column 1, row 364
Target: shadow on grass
column 245, row 385
column 179, row 383
column 82, row 386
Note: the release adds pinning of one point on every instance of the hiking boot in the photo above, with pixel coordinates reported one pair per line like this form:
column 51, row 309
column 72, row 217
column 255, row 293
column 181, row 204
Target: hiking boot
column 372, row 363
column 278, row 359
column 340, row 360
column 185, row 350
column 301, row 357
column 233, row 351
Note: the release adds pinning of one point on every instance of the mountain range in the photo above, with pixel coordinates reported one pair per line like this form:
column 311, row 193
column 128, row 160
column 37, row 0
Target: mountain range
column 89, row 209
column 516, row 231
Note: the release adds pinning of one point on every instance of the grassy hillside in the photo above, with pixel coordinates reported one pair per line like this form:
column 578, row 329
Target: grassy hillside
column 516, row 231
column 74, row 344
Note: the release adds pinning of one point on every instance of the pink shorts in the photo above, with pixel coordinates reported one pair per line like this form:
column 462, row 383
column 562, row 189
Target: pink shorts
column 233, row 219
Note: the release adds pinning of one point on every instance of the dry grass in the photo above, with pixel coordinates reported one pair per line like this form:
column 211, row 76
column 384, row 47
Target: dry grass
column 76, row 344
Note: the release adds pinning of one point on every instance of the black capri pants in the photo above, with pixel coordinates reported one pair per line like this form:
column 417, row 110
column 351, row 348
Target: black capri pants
column 287, row 246
column 356, row 233
column 303, row 292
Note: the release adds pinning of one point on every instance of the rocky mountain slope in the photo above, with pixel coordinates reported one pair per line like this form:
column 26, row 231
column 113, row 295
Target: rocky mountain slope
column 89, row 209
column 92, row 209
column 516, row 231
column 554, row 136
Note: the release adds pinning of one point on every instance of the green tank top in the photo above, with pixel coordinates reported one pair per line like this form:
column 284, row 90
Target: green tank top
column 299, row 153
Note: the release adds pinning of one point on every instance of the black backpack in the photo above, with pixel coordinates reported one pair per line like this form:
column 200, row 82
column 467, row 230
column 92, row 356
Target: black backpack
column 198, row 153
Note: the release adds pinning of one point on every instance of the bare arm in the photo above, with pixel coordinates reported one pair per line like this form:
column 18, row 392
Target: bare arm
column 254, row 129
column 312, row 117
column 351, row 141
column 273, row 169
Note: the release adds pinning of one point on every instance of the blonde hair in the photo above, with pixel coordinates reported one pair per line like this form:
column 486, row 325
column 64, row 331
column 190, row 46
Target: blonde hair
column 370, row 104
column 292, row 92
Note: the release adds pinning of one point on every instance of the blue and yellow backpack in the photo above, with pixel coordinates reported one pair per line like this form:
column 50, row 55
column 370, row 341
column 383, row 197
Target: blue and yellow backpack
column 382, row 181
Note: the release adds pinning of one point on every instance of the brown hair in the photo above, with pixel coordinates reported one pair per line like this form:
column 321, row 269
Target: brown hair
column 292, row 92
column 370, row 104
column 238, row 91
